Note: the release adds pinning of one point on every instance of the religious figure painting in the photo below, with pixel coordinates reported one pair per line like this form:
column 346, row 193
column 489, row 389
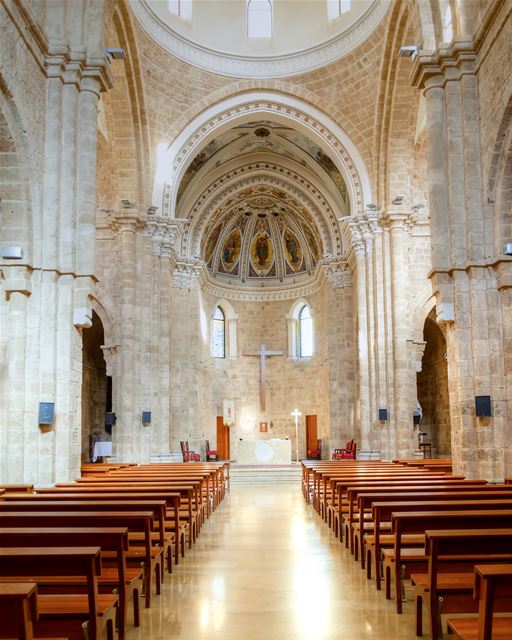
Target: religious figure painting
column 231, row 250
column 211, row 243
column 292, row 250
column 262, row 252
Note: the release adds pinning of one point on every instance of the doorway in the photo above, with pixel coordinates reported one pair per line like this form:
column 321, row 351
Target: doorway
column 432, row 382
column 96, row 387
column 222, row 439
column 311, row 432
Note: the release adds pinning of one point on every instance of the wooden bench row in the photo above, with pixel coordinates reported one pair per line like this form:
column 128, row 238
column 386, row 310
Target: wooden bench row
column 386, row 518
column 132, row 527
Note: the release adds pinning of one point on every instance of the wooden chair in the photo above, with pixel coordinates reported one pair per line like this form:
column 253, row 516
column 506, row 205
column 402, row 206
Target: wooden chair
column 348, row 453
column 211, row 454
column 315, row 454
column 188, row 456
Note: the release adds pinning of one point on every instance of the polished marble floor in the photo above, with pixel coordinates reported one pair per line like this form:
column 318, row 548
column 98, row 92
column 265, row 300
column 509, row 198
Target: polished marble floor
column 266, row 568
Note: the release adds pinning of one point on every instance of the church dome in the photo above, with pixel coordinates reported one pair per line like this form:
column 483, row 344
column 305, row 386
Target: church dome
column 215, row 36
column 260, row 235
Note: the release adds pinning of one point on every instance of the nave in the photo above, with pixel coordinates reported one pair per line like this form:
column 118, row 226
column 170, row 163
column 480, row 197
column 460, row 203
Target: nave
column 265, row 567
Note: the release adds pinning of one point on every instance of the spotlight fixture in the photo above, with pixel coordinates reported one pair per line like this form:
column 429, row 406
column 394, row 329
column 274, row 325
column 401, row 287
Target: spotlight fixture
column 107, row 212
column 126, row 203
column 507, row 249
column 398, row 199
column 371, row 206
column 114, row 53
column 152, row 210
column 409, row 51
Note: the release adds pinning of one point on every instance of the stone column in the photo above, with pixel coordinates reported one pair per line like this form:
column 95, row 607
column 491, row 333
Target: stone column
column 339, row 311
column 463, row 279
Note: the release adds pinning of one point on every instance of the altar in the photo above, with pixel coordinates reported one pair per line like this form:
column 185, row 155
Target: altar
column 272, row 451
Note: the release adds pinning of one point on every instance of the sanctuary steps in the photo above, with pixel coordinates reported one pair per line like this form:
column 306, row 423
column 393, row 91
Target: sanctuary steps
column 252, row 474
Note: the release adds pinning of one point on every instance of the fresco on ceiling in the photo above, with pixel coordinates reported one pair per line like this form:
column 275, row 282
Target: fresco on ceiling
column 292, row 250
column 312, row 242
column 211, row 243
column 211, row 149
column 262, row 253
column 321, row 158
column 231, row 251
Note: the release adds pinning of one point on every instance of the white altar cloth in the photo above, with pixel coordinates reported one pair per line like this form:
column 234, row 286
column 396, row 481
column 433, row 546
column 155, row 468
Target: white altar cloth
column 102, row 449
column 272, row 451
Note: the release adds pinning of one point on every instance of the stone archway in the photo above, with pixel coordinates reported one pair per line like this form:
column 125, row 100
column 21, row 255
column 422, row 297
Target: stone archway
column 96, row 387
column 432, row 383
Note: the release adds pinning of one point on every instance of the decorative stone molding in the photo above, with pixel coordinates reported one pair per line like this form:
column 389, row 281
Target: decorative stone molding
column 110, row 353
column 337, row 272
column 73, row 68
column 257, row 67
column 122, row 220
column 15, row 279
column 165, row 234
column 308, row 196
column 266, row 109
column 361, row 230
column 450, row 63
column 417, row 348
column 288, row 292
column 185, row 272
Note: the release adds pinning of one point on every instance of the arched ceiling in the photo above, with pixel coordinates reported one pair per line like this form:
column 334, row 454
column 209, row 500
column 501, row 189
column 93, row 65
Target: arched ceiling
column 262, row 201
column 261, row 233
column 215, row 38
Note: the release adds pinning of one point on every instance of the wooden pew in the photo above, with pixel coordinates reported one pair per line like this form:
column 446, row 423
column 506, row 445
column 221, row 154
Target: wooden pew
column 18, row 610
column 63, row 614
column 411, row 522
column 126, row 581
column 187, row 491
column 383, row 504
column 135, row 521
column 17, row 488
column 171, row 499
column 447, row 587
column 370, row 545
column 493, row 584
column 344, row 506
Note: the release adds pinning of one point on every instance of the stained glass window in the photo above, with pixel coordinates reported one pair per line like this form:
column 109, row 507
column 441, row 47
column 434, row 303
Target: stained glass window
column 305, row 332
column 219, row 334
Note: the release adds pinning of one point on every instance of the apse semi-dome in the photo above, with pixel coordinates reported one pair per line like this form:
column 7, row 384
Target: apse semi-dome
column 261, row 238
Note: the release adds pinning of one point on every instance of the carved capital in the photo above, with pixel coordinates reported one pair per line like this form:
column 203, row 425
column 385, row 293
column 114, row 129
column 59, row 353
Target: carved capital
column 166, row 234
column 185, row 272
column 337, row 272
column 110, row 352
column 361, row 230
column 451, row 63
column 417, row 348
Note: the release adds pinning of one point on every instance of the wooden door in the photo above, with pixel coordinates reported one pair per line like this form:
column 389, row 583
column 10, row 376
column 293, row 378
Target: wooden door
column 311, row 432
column 222, row 439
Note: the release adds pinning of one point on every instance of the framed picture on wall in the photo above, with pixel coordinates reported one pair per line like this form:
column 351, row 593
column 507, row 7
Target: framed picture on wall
column 263, row 427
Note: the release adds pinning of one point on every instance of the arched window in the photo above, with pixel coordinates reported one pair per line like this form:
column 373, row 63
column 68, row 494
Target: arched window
column 447, row 21
column 181, row 8
column 259, row 18
column 335, row 8
column 305, row 332
column 219, row 334
column 301, row 335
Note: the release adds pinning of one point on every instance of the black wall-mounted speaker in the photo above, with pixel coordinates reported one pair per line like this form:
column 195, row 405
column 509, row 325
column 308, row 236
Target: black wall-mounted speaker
column 110, row 418
column 483, row 406
column 383, row 415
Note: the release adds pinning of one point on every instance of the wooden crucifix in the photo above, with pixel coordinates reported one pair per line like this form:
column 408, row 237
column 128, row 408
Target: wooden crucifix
column 262, row 354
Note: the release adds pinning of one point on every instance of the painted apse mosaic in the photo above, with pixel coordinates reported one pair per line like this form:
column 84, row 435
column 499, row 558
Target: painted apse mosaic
column 261, row 233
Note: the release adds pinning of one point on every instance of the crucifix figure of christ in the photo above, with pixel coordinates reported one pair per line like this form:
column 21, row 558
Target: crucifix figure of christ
column 262, row 354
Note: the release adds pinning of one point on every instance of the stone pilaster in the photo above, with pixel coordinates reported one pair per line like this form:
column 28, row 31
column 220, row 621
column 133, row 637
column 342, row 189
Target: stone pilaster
column 463, row 279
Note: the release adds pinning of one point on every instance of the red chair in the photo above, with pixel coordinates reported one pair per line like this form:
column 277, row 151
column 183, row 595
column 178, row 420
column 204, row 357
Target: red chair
column 211, row 454
column 188, row 456
column 348, row 453
column 315, row 454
